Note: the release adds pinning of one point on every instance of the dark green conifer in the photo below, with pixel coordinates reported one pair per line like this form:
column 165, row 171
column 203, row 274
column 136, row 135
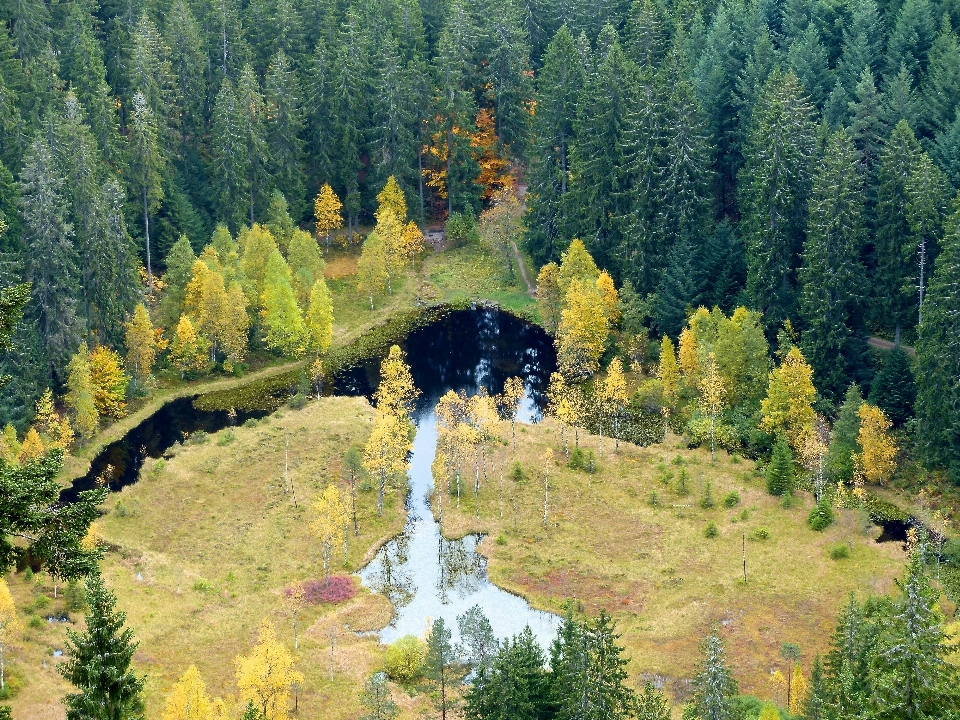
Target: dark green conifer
column 843, row 438
column 780, row 470
column 893, row 389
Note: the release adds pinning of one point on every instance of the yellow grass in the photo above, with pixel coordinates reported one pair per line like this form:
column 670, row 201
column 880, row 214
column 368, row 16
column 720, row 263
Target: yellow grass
column 606, row 546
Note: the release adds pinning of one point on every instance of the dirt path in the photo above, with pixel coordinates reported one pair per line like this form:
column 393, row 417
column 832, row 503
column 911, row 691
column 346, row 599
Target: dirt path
column 882, row 344
column 531, row 289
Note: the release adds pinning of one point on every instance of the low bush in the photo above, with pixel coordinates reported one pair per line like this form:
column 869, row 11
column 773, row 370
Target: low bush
column 337, row 589
column 711, row 530
column 760, row 533
column 951, row 552
column 821, row 517
column 655, row 499
column 707, row 501
column 197, row 438
column 403, row 661
column 582, row 459
column 298, row 401
column 226, row 437
column 731, row 499
column 840, row 551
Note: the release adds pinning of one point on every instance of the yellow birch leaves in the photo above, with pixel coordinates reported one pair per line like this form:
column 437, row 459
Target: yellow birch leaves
column 141, row 344
column 330, row 522
column 266, row 674
column 327, row 209
column 788, row 408
column 188, row 700
column 878, row 450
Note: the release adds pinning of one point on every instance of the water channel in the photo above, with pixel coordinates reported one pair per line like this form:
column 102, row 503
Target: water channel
column 424, row 575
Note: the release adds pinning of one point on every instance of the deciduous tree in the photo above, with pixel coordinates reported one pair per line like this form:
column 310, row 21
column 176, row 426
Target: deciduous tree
column 188, row 699
column 265, row 676
column 284, row 329
column 329, row 524
column 109, row 382
column 319, row 318
column 549, row 297
column 372, row 274
column 582, row 333
column 81, row 395
column 141, row 344
column 788, row 407
column 188, row 349
column 10, row 626
column 878, row 451
column 712, row 395
column 327, row 209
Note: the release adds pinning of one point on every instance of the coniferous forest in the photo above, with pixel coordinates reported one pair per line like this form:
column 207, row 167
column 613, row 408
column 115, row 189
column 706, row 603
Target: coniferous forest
column 770, row 186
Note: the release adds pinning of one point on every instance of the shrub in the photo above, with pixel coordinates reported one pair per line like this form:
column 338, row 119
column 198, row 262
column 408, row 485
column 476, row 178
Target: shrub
column 681, row 487
column 745, row 514
column 298, row 401
column 28, row 574
column 197, row 438
column 821, row 517
column 786, row 502
column 339, row 588
column 517, row 474
column 36, row 622
column 583, row 459
column 655, row 499
column 461, row 229
column 707, row 502
column 226, row 437
column 780, row 470
column 501, row 540
column 840, row 551
column 760, row 533
column 731, row 499
column 159, row 466
column 711, row 530
column 403, row 661
column 951, row 552
column 41, row 602
column 250, row 423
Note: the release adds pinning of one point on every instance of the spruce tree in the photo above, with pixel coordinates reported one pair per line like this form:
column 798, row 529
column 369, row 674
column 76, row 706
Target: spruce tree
column 285, row 127
column 815, row 704
column 940, row 90
column 183, row 34
column 677, row 290
column 894, row 390
column 946, row 151
column 252, row 116
column 609, row 696
column 559, row 83
column 830, row 277
column 229, row 157
column 393, row 141
column 50, row 259
column 651, row 704
column 862, row 44
column 910, row 677
column 938, row 357
column 513, row 685
column 98, row 662
column 866, row 125
column 911, row 35
column 843, row 438
column 807, row 58
column 928, row 197
column 774, row 184
column 780, row 470
column 891, row 304
column 899, row 98
column 714, row 686
column 146, row 163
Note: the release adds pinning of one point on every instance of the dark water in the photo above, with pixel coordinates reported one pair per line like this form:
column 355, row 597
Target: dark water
column 424, row 575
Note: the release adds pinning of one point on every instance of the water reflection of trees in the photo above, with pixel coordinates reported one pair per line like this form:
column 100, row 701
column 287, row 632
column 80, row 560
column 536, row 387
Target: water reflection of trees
column 461, row 568
column 392, row 575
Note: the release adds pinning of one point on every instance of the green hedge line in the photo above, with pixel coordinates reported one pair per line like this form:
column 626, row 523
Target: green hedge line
column 269, row 393
column 882, row 511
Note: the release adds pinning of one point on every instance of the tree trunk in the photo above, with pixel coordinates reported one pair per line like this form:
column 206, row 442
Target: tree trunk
column 146, row 235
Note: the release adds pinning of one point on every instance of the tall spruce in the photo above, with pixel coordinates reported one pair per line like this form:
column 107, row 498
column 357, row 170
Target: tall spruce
column 285, row 125
column 146, row 162
column 833, row 338
column 774, row 185
column 894, row 390
column 98, row 662
column 938, row 357
column 714, row 686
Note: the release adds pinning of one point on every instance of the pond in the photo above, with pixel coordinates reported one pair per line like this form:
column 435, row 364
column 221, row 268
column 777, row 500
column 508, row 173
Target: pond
column 424, row 575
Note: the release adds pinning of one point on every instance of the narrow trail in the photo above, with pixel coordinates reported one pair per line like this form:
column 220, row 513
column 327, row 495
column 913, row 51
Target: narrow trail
column 531, row 289
column 882, row 344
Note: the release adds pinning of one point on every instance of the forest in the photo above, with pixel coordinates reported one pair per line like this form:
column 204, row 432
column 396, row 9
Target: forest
column 743, row 223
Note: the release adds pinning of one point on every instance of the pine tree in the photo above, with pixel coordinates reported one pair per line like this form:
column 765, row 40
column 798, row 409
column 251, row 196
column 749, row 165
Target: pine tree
column 285, row 128
column 559, row 83
column 714, row 686
column 146, row 164
column 438, row 666
column 284, row 329
column 830, row 287
column 893, row 389
column 774, row 183
column 376, row 699
column 892, row 305
column 909, row 675
column 780, row 470
column 98, row 662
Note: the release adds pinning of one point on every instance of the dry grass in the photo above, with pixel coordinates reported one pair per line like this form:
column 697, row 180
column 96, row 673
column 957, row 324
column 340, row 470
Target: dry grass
column 201, row 550
column 606, row 546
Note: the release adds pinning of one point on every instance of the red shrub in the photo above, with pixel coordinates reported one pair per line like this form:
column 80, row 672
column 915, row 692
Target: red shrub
column 337, row 589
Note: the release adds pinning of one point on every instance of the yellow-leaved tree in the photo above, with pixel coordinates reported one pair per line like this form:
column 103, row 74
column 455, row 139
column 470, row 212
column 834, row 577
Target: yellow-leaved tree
column 306, row 265
column 396, row 393
column 109, row 382
column 283, row 327
column 266, row 674
column 668, row 372
column 562, row 407
column 205, row 300
column 31, row 448
column 878, row 450
column 769, row 712
column 390, row 231
column 372, row 272
column 576, row 264
column 688, row 359
column 80, row 395
column 327, row 209
column 10, row 445
column 582, row 333
column 330, row 524
column 798, row 691
column 787, row 410
column 613, row 402
column 319, row 318
column 141, row 344
column 610, row 298
column 188, row 350
column 188, row 698
column 10, row 627
column 54, row 428
column 712, row 397
column 391, row 198
column 548, row 296
column 257, row 246
column 508, row 403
